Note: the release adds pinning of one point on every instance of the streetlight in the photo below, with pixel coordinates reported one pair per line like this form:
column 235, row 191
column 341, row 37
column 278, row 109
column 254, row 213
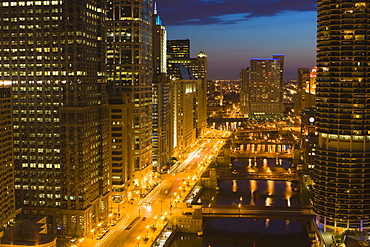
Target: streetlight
column 110, row 218
column 80, row 241
column 147, row 231
column 92, row 233
column 155, row 220
column 239, row 205
column 138, row 238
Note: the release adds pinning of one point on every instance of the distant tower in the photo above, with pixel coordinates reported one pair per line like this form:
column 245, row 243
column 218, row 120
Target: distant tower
column 244, row 94
column 303, row 79
column 265, row 87
column 178, row 48
column 342, row 163
column 310, row 90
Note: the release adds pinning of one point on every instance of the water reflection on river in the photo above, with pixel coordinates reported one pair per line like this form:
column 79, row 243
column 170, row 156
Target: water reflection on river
column 255, row 192
column 244, row 232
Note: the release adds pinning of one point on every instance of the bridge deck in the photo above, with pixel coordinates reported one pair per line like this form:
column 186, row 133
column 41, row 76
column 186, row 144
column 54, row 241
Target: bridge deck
column 258, row 176
column 257, row 212
column 262, row 155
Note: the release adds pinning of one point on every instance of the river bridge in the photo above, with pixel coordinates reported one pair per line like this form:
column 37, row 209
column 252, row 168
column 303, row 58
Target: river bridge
column 303, row 215
column 221, row 119
column 282, row 176
column 245, row 155
column 212, row 178
column 239, row 210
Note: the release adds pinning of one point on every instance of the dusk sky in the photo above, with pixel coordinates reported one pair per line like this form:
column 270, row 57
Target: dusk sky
column 231, row 32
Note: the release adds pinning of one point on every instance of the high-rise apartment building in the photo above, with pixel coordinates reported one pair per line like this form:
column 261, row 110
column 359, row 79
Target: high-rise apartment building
column 262, row 87
column 179, row 48
column 342, row 167
column 130, row 73
column 7, row 193
column 53, row 53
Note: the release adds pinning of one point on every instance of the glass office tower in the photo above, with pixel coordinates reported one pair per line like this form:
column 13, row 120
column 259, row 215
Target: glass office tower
column 130, row 78
column 342, row 166
column 53, row 53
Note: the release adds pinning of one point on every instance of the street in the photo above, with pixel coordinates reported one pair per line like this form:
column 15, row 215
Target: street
column 148, row 216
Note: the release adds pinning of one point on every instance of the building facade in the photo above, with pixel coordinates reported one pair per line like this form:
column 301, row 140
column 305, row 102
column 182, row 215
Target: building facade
column 342, row 166
column 7, row 192
column 303, row 78
column 162, row 132
column 179, row 48
column 197, row 68
column 130, row 72
column 264, row 87
column 244, row 96
column 309, row 93
column 53, row 53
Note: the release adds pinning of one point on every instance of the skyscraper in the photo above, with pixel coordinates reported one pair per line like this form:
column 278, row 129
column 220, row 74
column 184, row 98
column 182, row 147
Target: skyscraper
column 179, row 48
column 244, row 96
column 309, row 99
column 263, row 87
column 184, row 100
column 7, row 193
column 197, row 68
column 130, row 74
column 162, row 132
column 302, row 80
column 53, row 54
column 342, row 167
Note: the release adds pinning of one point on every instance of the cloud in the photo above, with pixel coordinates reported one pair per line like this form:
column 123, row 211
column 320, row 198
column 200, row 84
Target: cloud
column 205, row 12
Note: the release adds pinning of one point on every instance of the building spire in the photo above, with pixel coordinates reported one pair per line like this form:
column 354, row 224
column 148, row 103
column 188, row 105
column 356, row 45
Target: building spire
column 155, row 8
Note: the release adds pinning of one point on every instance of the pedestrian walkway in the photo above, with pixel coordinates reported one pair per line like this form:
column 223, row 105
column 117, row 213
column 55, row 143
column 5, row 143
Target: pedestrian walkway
column 165, row 236
column 328, row 238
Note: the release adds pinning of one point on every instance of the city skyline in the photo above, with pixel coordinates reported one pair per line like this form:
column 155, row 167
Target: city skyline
column 284, row 27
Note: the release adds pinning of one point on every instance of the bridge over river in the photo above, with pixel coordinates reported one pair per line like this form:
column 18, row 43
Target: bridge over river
column 280, row 155
column 284, row 176
column 239, row 210
column 303, row 215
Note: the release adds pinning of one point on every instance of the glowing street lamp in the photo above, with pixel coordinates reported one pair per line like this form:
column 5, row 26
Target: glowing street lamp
column 92, row 233
column 138, row 238
column 155, row 220
column 147, row 231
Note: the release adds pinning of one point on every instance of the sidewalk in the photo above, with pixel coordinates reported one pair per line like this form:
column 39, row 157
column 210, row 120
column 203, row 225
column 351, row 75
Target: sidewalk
column 327, row 236
column 157, row 236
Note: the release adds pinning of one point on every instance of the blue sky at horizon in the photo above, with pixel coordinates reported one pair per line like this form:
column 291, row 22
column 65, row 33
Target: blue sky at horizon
column 231, row 37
